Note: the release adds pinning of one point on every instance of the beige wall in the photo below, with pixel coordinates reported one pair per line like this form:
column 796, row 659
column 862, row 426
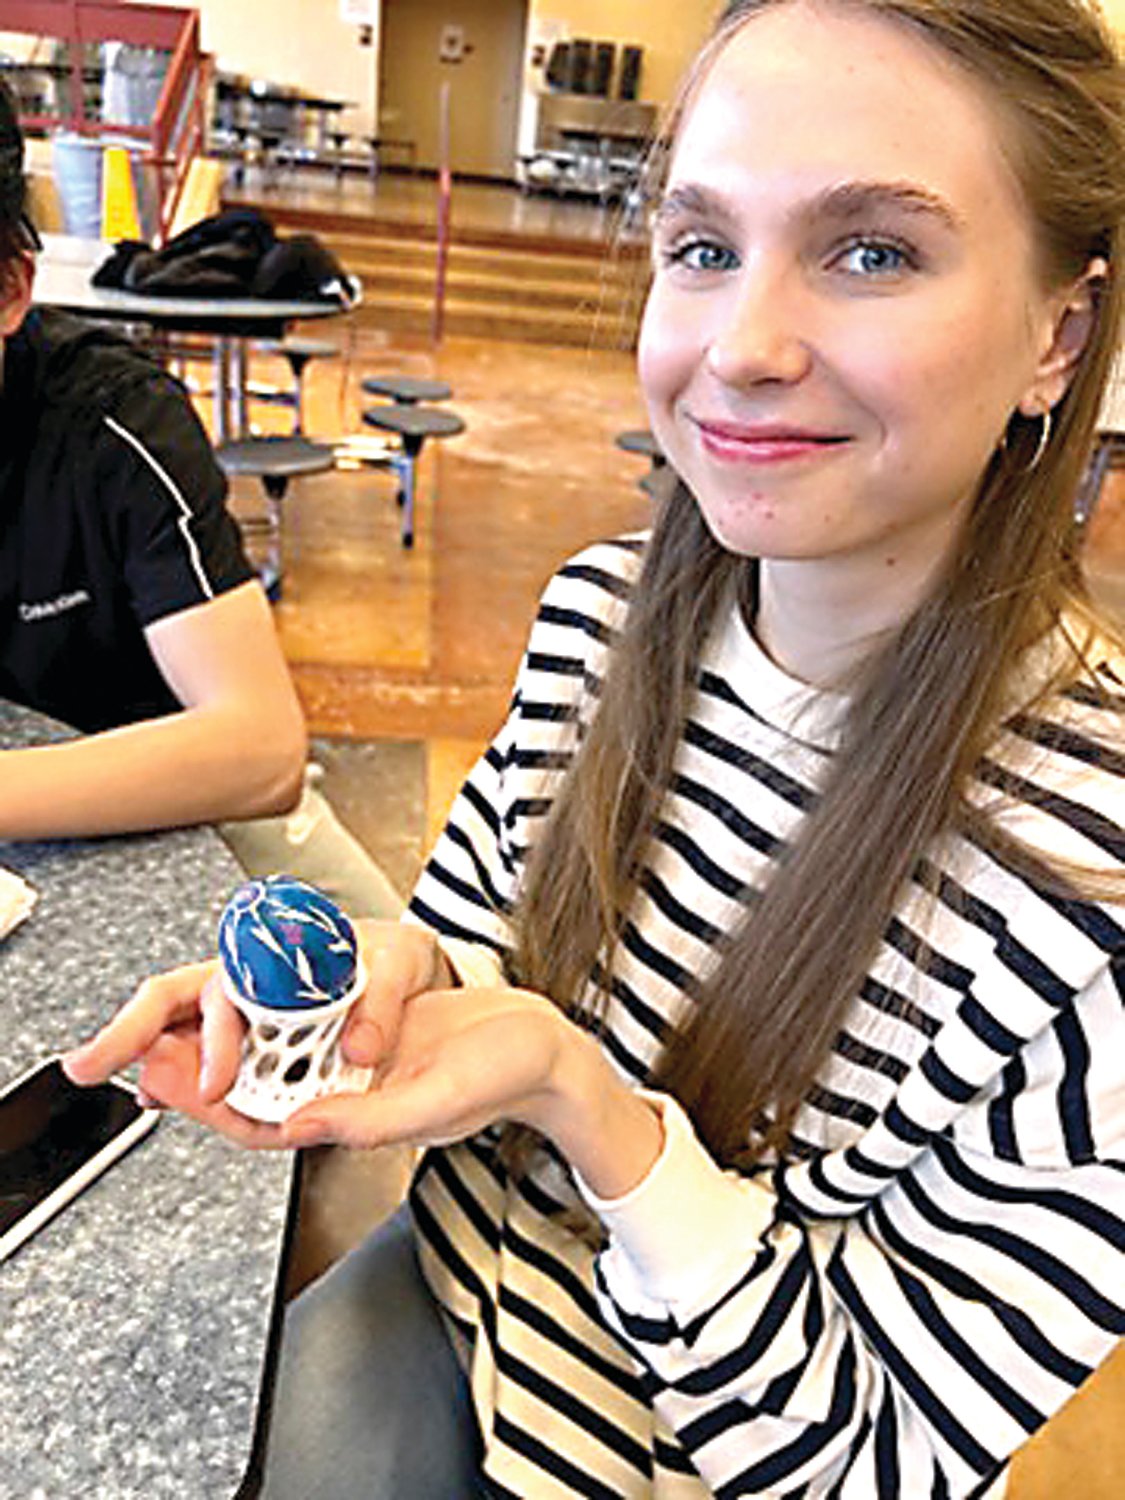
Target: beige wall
column 300, row 43
column 304, row 43
column 484, row 91
column 668, row 30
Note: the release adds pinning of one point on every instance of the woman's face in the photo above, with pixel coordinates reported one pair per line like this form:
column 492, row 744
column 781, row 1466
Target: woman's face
column 846, row 309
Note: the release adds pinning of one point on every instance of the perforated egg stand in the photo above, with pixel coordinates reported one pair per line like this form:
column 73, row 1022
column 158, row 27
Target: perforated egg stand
column 290, row 963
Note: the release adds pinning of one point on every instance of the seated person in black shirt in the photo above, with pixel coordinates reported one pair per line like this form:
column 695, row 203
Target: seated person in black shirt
column 127, row 607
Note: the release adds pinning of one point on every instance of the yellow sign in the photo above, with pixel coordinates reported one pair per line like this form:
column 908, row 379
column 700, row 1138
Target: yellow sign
column 120, row 220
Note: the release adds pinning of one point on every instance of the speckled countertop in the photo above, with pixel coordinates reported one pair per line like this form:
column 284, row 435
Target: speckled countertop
column 133, row 1327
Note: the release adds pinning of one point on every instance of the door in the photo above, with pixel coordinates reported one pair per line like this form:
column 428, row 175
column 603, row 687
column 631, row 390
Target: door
column 477, row 47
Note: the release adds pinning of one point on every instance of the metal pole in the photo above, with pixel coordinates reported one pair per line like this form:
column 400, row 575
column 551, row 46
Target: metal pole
column 445, row 192
column 220, row 381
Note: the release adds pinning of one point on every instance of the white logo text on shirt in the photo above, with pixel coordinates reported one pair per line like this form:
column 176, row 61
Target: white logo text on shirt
column 46, row 609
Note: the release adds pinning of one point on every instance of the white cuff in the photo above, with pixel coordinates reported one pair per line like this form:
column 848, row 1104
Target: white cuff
column 686, row 1228
column 477, row 967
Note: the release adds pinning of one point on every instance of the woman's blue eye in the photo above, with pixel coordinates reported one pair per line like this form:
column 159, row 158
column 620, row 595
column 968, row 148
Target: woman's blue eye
column 701, row 255
column 875, row 258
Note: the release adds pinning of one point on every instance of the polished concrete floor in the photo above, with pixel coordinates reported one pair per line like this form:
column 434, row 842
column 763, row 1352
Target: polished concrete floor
column 404, row 660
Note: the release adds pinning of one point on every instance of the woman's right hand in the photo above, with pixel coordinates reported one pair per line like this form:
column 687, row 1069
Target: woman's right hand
column 186, row 1035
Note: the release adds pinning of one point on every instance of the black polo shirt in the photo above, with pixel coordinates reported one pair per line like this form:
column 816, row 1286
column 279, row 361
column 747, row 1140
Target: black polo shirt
column 112, row 516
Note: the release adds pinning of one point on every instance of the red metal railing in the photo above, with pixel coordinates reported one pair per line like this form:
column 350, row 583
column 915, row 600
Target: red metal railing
column 176, row 133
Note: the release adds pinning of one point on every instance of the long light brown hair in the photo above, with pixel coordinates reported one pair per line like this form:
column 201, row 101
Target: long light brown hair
column 927, row 704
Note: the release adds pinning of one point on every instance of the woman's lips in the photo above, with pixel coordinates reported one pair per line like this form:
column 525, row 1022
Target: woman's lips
column 765, row 443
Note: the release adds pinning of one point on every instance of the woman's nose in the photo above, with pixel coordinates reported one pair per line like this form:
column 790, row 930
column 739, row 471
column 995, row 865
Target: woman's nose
column 763, row 335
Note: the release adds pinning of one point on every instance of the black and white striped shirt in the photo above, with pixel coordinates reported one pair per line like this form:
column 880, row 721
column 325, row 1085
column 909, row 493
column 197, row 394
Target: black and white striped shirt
column 893, row 1311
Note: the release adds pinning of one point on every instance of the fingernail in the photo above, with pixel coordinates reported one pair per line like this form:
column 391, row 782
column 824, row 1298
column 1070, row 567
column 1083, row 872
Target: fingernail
column 206, row 1075
column 363, row 1042
column 308, row 1133
column 76, row 1055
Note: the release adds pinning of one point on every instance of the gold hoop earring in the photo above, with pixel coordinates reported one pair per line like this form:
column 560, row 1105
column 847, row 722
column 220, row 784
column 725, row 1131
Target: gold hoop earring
column 1040, row 446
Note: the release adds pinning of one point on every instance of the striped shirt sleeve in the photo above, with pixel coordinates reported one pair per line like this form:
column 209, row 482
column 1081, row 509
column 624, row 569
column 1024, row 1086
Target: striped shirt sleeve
column 898, row 1316
column 904, row 1344
column 470, row 880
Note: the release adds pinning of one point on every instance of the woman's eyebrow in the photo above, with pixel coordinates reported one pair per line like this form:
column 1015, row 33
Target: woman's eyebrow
column 846, row 200
column 689, row 198
column 851, row 200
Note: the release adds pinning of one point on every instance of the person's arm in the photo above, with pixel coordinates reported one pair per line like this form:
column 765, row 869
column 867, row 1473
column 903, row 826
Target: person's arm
column 909, row 1346
column 471, row 877
column 236, row 750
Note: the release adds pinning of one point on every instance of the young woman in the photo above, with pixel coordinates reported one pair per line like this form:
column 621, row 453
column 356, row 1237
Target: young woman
column 761, row 1005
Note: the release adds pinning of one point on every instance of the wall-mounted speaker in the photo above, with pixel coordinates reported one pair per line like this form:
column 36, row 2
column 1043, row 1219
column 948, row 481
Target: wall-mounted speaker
column 601, row 73
column 557, row 71
column 629, row 79
column 581, row 57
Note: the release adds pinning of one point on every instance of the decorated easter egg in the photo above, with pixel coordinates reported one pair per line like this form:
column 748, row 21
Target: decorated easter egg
column 285, row 945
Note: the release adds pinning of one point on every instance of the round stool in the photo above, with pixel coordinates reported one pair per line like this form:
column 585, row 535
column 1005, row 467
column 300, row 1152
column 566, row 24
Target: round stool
column 640, row 440
column 275, row 461
column 339, row 139
column 299, row 352
column 407, row 390
column 413, row 424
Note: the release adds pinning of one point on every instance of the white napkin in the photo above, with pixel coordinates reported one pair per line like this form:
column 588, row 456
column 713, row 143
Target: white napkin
column 16, row 900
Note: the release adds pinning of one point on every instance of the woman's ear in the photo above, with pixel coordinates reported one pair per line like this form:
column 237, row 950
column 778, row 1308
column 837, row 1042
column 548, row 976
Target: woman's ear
column 16, row 280
column 1073, row 313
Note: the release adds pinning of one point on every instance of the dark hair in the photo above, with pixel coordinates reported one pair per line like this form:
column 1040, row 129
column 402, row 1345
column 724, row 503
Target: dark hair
column 17, row 234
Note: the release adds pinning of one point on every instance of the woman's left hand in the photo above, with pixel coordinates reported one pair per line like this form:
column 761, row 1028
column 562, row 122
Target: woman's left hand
column 465, row 1059
column 462, row 1059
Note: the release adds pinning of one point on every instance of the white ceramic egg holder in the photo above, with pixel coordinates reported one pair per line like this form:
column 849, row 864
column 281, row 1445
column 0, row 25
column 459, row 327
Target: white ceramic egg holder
column 291, row 1057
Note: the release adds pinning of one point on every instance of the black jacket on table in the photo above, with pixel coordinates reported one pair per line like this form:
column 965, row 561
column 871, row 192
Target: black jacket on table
column 112, row 516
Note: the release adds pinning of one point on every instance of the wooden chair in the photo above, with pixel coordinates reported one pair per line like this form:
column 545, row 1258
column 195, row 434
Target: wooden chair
column 1080, row 1453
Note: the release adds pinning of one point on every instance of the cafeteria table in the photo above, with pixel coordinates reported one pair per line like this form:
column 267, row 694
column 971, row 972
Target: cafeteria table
column 136, row 1326
column 63, row 279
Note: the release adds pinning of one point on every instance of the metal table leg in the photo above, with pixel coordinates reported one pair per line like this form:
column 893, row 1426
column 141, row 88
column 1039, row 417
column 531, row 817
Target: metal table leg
column 220, row 382
column 238, row 387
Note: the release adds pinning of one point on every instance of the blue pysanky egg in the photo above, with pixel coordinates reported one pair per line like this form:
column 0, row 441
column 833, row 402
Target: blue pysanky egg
column 285, row 945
